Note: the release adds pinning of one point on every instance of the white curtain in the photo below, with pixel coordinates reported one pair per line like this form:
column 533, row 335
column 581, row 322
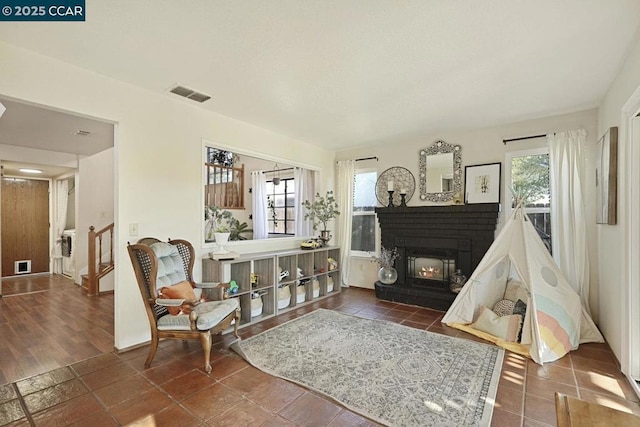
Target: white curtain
column 62, row 197
column 305, row 181
column 259, row 202
column 344, row 197
column 568, row 216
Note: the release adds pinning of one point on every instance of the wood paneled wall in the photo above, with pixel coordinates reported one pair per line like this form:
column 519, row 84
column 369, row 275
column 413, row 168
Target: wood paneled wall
column 25, row 224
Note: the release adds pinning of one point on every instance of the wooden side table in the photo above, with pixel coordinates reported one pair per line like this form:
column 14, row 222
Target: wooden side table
column 572, row 412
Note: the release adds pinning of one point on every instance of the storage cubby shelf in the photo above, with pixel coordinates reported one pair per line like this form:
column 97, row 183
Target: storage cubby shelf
column 263, row 267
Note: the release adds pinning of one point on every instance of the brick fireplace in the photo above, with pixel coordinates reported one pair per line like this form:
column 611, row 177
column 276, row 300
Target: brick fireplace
column 432, row 242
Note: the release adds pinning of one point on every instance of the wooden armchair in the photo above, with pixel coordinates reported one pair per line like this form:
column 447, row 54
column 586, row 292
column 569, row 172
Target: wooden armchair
column 166, row 266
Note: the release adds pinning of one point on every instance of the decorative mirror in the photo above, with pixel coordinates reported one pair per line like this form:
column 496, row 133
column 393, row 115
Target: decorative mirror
column 440, row 172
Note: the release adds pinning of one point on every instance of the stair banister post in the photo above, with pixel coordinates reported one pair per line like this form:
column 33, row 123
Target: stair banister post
column 91, row 289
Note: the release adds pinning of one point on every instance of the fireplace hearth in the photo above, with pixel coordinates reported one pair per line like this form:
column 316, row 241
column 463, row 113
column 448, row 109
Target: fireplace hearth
column 434, row 241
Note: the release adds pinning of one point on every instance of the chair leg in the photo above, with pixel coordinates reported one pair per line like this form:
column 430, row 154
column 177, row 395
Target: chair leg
column 235, row 324
column 205, row 340
column 152, row 350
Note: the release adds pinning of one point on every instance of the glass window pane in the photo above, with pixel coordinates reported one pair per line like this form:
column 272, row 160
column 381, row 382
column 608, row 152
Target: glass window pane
column 291, row 213
column 291, row 200
column 363, row 233
column 279, row 199
column 530, row 179
column 290, row 226
column 279, row 228
column 279, row 213
column 530, row 184
column 279, row 188
column 271, row 227
column 269, row 187
column 364, row 191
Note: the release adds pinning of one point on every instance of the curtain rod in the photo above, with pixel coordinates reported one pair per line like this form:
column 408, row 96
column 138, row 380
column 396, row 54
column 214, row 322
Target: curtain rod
column 278, row 170
column 504, row 141
column 365, row 158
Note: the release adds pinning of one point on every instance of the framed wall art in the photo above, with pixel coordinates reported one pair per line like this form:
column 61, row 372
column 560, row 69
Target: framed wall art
column 607, row 177
column 482, row 183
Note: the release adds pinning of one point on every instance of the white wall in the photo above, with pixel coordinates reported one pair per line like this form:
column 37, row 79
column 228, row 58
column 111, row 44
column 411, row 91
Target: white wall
column 158, row 159
column 611, row 238
column 481, row 146
column 95, row 189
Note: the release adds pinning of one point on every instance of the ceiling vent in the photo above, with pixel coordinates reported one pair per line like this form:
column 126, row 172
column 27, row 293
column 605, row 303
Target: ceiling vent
column 81, row 132
column 189, row 93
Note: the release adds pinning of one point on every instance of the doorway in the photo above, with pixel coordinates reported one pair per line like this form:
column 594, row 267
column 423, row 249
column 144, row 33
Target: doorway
column 25, row 226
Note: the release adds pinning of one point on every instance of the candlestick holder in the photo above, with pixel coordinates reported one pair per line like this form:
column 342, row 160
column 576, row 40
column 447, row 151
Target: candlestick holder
column 403, row 200
column 390, row 205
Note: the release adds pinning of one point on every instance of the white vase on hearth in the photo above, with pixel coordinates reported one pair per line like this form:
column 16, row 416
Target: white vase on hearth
column 387, row 275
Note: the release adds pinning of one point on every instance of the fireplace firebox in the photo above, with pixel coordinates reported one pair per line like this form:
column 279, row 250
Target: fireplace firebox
column 434, row 241
column 430, row 268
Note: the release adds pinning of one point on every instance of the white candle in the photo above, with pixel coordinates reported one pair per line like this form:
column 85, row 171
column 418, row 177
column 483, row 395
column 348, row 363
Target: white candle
column 390, row 186
column 403, row 191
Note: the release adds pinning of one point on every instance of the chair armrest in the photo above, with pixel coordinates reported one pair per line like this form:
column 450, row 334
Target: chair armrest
column 169, row 302
column 176, row 302
column 214, row 291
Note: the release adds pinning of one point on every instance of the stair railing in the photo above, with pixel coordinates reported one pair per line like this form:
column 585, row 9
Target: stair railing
column 97, row 268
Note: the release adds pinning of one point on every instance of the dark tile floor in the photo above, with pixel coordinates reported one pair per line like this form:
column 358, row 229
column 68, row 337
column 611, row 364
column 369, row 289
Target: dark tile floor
column 115, row 389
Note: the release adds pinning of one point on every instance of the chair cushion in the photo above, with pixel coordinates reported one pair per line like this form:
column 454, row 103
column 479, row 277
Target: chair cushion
column 182, row 290
column 170, row 264
column 209, row 315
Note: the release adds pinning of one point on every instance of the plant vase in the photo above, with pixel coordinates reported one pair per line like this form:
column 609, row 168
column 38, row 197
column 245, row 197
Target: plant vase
column 221, row 240
column 457, row 281
column 387, row 275
column 325, row 236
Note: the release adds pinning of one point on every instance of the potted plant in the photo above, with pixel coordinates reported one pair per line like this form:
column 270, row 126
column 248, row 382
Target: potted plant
column 237, row 228
column 387, row 273
column 321, row 211
column 218, row 225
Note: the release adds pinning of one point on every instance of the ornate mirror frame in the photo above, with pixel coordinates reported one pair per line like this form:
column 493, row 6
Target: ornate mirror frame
column 441, row 147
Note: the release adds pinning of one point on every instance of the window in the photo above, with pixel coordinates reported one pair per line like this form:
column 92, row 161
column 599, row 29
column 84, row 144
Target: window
column 528, row 180
column 281, row 207
column 224, row 185
column 363, row 231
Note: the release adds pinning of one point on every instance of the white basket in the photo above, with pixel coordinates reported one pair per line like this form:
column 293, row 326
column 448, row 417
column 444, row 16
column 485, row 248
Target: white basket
column 300, row 294
column 284, row 297
column 329, row 284
column 256, row 306
column 316, row 288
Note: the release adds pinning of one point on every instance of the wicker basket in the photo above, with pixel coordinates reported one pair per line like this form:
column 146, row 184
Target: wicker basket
column 284, row 297
column 300, row 294
column 256, row 306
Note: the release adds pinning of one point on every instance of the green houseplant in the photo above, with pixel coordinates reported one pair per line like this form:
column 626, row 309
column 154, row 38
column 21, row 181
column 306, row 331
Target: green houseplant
column 320, row 211
column 218, row 221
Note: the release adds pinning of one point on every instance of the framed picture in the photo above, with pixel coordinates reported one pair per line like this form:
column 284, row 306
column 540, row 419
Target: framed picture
column 607, row 177
column 482, row 183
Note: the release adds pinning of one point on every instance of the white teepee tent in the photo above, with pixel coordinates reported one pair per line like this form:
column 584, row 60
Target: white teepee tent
column 555, row 321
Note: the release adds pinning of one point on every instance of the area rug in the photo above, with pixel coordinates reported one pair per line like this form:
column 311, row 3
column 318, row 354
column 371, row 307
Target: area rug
column 392, row 374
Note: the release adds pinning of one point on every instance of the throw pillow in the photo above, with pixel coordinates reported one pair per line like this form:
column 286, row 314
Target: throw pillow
column 516, row 290
column 505, row 327
column 520, row 308
column 503, row 307
column 181, row 290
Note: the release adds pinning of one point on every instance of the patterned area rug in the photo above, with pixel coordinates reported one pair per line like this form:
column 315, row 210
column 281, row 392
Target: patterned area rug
column 392, row 374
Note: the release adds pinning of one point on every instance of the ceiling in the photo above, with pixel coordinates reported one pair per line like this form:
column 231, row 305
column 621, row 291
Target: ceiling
column 350, row 73
column 31, row 126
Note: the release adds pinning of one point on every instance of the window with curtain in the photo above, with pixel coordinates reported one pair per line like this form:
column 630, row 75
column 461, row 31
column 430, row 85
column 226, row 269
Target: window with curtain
column 281, row 201
column 363, row 220
column 528, row 177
